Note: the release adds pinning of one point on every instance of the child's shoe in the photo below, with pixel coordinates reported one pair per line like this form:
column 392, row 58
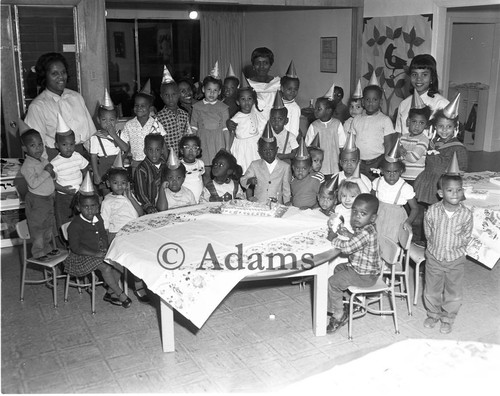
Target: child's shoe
column 430, row 323
column 445, row 328
column 336, row 324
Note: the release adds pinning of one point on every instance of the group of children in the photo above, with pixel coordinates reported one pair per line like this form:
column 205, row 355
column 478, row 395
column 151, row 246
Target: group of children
column 218, row 150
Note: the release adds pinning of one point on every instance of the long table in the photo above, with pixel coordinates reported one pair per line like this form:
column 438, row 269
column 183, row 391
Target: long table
column 193, row 257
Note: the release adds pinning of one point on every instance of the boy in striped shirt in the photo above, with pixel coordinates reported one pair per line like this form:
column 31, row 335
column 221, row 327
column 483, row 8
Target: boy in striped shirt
column 448, row 228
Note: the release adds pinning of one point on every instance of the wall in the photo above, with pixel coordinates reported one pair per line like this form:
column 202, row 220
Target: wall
column 471, row 52
column 295, row 35
column 383, row 8
column 125, row 64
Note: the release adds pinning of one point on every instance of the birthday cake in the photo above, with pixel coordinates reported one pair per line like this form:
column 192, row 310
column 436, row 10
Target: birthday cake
column 248, row 208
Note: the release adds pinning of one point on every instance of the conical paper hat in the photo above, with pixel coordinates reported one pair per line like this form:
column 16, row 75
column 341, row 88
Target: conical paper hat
column 230, row 72
column 173, row 161
column 215, row 71
column 302, row 153
column 118, row 163
column 268, row 135
column 278, row 101
column 244, row 82
column 62, row 128
column 374, row 80
column 453, row 168
column 107, row 103
column 87, row 188
column 333, row 184
column 291, row 72
column 23, row 127
column 315, row 142
column 355, row 174
column 146, row 89
column 451, row 111
column 416, row 101
column 330, row 93
column 167, row 77
column 358, row 93
column 350, row 143
column 393, row 156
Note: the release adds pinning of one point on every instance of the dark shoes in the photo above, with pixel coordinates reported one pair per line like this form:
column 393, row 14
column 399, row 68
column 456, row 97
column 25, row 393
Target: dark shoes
column 142, row 295
column 336, row 324
column 112, row 299
column 127, row 303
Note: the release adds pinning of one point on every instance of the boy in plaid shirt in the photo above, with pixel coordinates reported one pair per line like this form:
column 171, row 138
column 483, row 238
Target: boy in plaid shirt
column 364, row 265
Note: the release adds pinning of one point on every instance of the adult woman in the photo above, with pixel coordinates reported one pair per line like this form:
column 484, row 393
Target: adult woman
column 52, row 76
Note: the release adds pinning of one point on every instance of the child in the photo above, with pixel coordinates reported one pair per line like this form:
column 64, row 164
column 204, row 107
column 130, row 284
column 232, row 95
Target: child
column 414, row 143
column 172, row 193
column 448, row 228
column 119, row 206
column 174, row 120
column 304, row 187
column 147, row 177
column 186, row 92
column 290, row 85
column 287, row 142
column 373, row 131
column 39, row 200
column 355, row 110
column 226, row 174
column 209, row 120
column 330, row 132
column 88, row 242
column 424, row 80
column 136, row 129
column 269, row 175
column 364, row 264
column 349, row 161
column 393, row 193
column 106, row 144
column 246, row 135
column 230, row 92
column 443, row 146
column 347, row 193
column 327, row 198
column 69, row 167
column 317, row 156
column 189, row 147
column 341, row 111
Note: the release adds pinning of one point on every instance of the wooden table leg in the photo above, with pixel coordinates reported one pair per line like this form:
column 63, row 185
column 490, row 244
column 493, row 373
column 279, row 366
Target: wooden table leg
column 320, row 300
column 167, row 327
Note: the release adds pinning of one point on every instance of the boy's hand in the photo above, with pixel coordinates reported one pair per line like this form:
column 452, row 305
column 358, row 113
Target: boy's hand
column 407, row 226
column 252, row 181
column 151, row 210
column 164, row 184
column 402, row 151
column 231, row 125
column 50, row 168
column 345, row 232
column 331, row 235
column 68, row 190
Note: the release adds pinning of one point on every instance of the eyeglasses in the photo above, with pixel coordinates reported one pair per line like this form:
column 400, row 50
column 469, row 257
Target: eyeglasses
column 190, row 148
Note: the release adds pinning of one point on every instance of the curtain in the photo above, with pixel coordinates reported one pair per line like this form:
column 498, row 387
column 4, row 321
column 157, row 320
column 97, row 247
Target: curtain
column 221, row 40
column 389, row 45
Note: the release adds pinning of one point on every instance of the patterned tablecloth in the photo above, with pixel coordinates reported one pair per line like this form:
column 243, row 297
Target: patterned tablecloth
column 201, row 236
column 482, row 193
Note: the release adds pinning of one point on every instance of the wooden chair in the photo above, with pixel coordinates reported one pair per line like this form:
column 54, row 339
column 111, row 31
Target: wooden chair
column 363, row 297
column 417, row 255
column 49, row 266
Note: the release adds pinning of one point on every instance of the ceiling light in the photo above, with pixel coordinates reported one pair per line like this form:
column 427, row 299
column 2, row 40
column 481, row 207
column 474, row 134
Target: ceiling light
column 193, row 14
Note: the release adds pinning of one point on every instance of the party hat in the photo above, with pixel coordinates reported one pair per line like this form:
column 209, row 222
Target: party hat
column 244, row 82
column 23, row 127
column 268, row 135
column 358, row 93
column 278, row 101
column 302, row 153
column 451, row 111
column 118, row 163
column 350, row 143
column 173, row 161
column 374, row 80
column 315, row 142
column 230, row 72
column 453, row 168
column 167, row 77
column 416, row 101
column 330, row 93
column 146, row 89
column 355, row 174
column 61, row 126
column 291, row 72
column 333, row 184
column 215, row 71
column 87, row 188
column 393, row 156
column 107, row 103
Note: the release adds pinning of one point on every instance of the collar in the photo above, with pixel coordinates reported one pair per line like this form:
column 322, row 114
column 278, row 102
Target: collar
column 288, row 101
column 325, row 123
column 209, row 103
column 55, row 96
column 94, row 220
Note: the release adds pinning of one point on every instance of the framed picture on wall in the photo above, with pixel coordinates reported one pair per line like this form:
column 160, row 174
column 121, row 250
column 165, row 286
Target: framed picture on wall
column 328, row 54
column 119, row 38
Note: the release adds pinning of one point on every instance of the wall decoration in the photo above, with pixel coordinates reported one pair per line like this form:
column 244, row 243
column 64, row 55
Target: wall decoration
column 119, row 38
column 328, row 55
